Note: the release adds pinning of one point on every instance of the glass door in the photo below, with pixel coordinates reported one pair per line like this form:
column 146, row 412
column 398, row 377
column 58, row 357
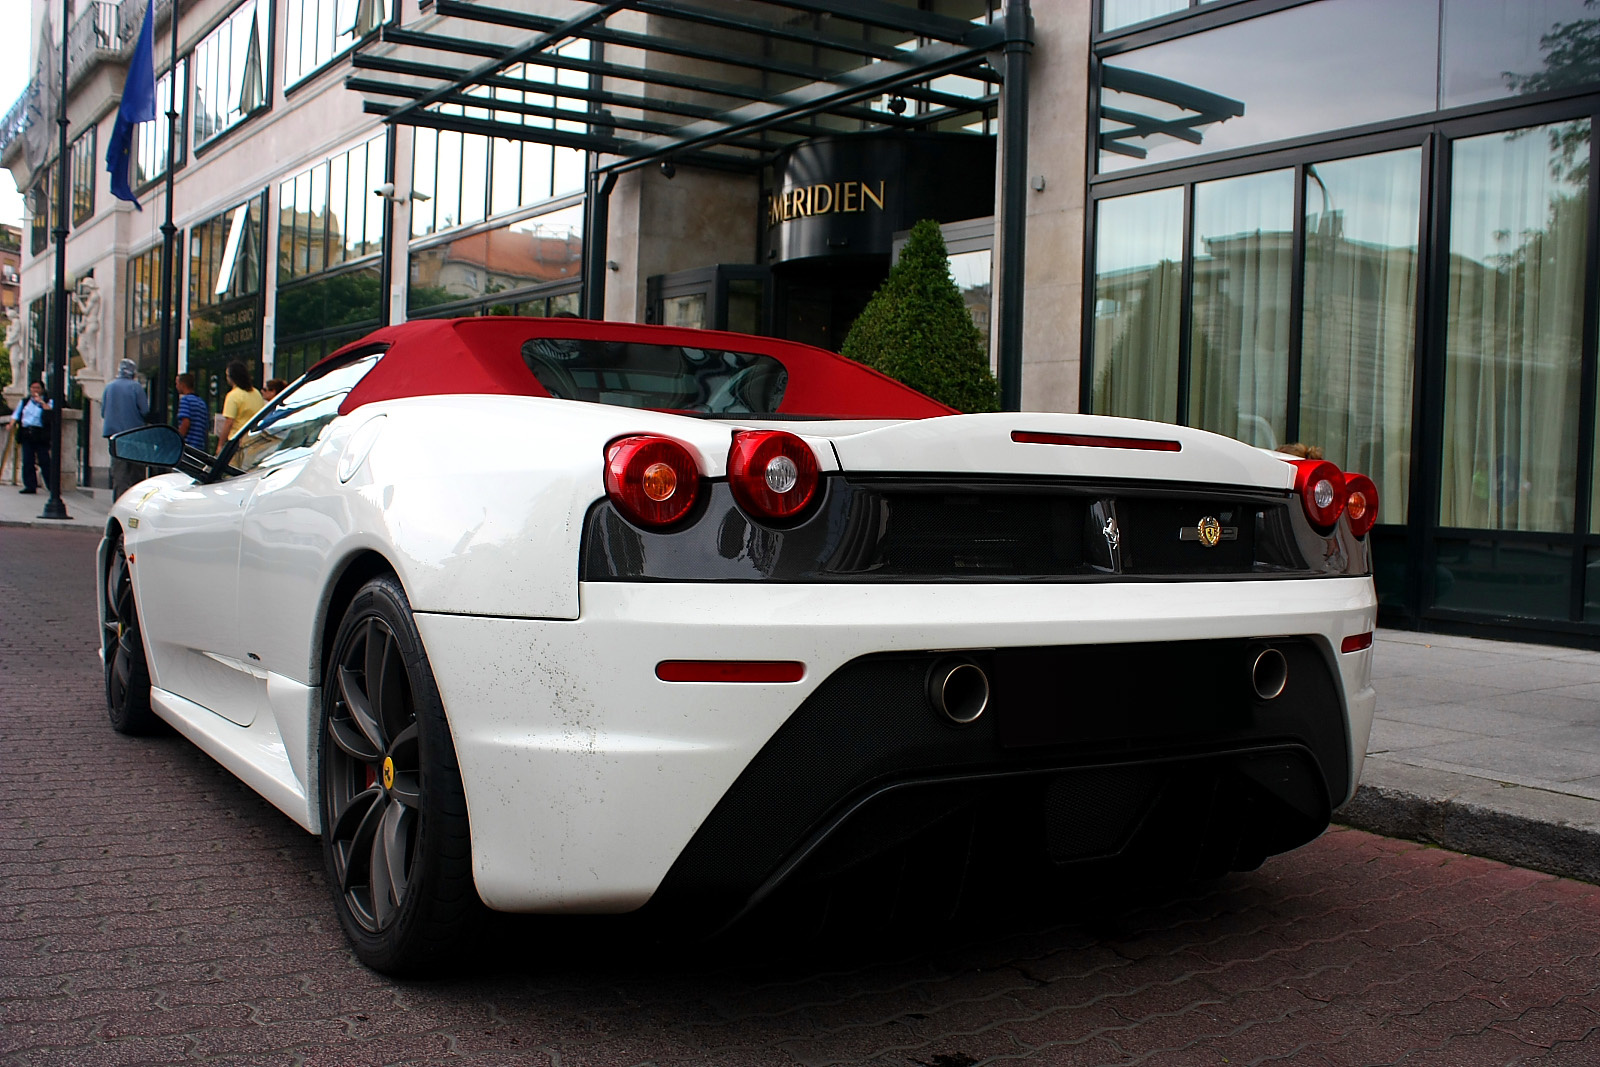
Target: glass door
column 1515, row 280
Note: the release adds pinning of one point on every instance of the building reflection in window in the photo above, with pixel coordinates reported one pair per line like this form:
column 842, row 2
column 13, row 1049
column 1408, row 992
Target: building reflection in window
column 225, row 271
column 1242, row 273
column 1358, row 340
column 1138, row 279
column 150, row 138
column 230, row 67
column 493, row 267
column 1289, row 71
column 1513, row 335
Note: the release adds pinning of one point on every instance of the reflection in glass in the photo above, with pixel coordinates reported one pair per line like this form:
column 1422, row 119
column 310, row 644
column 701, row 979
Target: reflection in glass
column 1239, row 341
column 535, row 251
column 316, row 31
column 685, row 311
column 1265, row 79
column 230, row 67
column 1500, row 48
column 1119, row 13
column 1524, row 579
column 971, row 271
column 150, row 138
column 1513, row 336
column 1359, row 338
column 1137, row 293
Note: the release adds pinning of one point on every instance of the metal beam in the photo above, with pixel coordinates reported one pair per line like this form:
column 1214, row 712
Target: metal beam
column 599, row 13
column 642, row 75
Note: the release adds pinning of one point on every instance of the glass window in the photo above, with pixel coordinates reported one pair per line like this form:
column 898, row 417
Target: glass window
column 973, row 274
column 225, row 254
column 1138, row 277
column 1513, row 332
column 657, row 376
column 150, row 138
column 1358, row 340
column 288, row 427
column 81, row 160
column 465, row 178
column 1494, row 577
column 230, row 71
column 1278, row 76
column 142, row 341
column 540, row 250
column 1118, row 13
column 1242, row 275
column 316, row 31
column 1500, row 48
column 41, row 211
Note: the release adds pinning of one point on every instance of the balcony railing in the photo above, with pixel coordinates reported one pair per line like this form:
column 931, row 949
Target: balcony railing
column 95, row 34
column 103, row 31
column 16, row 119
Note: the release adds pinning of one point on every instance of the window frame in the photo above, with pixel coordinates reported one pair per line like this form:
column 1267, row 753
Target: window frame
column 290, row 86
column 266, row 36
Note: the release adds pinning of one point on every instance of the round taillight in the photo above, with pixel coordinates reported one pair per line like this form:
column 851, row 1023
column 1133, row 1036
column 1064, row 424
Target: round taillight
column 652, row 481
column 1322, row 490
column 1361, row 503
column 773, row 473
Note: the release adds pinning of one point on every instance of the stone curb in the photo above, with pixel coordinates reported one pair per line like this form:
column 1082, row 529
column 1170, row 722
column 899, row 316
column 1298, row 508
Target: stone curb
column 1553, row 832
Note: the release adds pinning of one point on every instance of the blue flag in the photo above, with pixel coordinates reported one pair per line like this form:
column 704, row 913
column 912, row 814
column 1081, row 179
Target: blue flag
column 138, row 105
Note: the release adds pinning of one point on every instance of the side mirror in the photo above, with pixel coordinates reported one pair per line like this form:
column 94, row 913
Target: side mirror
column 152, row 446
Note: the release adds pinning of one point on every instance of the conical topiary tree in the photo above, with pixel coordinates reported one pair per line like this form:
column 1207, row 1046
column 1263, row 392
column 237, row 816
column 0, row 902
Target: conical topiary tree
column 917, row 330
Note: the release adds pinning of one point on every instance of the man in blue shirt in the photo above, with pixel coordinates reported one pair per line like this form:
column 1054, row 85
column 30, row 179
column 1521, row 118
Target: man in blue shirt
column 124, row 406
column 194, row 418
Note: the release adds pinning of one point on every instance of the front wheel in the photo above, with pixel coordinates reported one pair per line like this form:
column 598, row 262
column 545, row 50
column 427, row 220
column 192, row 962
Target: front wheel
column 394, row 814
column 127, row 671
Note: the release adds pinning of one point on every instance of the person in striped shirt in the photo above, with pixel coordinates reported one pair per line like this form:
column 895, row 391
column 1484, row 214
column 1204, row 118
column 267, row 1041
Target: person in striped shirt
column 194, row 418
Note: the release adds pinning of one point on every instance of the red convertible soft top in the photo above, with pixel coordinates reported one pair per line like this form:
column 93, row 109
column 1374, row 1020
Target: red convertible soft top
column 428, row 357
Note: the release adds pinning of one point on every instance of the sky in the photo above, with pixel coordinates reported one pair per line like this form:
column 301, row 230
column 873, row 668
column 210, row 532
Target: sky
column 14, row 74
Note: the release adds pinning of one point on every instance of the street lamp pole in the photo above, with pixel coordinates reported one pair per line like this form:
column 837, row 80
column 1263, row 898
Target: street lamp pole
column 166, row 367
column 55, row 508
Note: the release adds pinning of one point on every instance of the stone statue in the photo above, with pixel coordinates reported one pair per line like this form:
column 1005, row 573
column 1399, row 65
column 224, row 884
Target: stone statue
column 18, row 349
column 87, row 299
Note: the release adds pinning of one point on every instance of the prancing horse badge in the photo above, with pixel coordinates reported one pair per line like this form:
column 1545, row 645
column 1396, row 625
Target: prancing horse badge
column 1209, row 532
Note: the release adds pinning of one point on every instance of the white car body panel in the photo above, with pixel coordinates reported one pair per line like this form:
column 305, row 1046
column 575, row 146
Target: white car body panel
column 585, row 775
column 572, row 749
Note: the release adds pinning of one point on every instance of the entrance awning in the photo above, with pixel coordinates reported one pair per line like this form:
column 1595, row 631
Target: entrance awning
column 718, row 83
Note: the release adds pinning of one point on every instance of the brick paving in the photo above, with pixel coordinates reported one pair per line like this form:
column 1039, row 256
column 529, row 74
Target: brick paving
column 153, row 910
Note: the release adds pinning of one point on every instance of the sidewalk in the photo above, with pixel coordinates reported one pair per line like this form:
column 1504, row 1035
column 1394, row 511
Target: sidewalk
column 1485, row 747
column 85, row 507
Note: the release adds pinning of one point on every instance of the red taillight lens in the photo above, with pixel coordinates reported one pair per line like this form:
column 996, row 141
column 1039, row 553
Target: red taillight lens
column 1361, row 503
column 1322, row 491
column 773, row 474
column 652, row 481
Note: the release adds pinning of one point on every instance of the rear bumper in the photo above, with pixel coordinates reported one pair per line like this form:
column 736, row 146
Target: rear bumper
column 588, row 779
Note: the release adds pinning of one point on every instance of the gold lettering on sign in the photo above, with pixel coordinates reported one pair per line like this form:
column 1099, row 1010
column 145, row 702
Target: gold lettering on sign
column 824, row 198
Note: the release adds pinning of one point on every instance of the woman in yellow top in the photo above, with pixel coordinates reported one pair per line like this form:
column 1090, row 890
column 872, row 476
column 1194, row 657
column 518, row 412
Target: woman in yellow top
column 241, row 403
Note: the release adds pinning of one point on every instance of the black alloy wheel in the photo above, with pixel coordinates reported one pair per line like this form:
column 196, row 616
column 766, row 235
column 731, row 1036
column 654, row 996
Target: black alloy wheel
column 395, row 834
column 127, row 671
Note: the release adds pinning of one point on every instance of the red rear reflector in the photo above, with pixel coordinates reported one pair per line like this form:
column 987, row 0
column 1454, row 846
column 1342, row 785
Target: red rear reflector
column 729, row 670
column 1084, row 440
column 1357, row 642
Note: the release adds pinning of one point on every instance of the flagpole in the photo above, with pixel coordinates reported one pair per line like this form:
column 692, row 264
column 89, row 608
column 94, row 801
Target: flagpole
column 55, row 508
column 167, row 365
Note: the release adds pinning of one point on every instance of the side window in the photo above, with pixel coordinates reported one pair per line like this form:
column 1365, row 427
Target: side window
column 288, row 427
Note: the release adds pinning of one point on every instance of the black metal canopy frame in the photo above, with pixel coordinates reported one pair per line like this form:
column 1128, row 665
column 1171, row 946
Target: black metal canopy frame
column 724, row 84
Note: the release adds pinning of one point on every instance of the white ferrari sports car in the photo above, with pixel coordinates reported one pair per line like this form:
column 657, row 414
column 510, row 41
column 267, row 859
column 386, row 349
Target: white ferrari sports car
column 552, row 615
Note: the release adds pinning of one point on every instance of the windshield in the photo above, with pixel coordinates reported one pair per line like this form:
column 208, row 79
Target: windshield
column 668, row 377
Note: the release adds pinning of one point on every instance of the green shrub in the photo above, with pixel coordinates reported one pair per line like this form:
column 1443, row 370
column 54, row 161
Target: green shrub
column 917, row 330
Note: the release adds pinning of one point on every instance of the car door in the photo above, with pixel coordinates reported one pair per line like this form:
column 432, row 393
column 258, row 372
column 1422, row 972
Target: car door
column 186, row 569
column 290, row 522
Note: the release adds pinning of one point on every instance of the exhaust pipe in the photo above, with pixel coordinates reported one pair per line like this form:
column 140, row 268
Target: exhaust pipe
column 958, row 689
column 1269, row 673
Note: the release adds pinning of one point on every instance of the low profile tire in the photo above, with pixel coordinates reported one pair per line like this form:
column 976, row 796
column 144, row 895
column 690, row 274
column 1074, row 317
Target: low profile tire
column 394, row 815
column 127, row 672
